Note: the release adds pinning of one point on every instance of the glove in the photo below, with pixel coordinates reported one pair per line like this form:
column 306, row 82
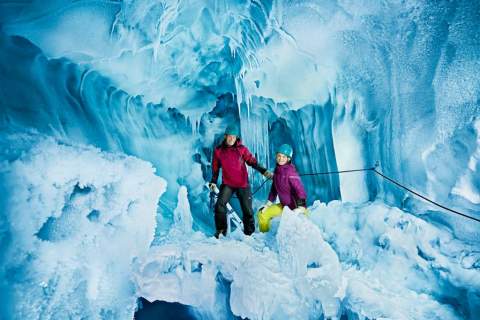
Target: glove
column 265, row 206
column 300, row 210
column 212, row 186
column 267, row 174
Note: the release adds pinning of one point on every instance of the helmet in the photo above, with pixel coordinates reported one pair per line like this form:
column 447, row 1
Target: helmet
column 286, row 150
column 233, row 130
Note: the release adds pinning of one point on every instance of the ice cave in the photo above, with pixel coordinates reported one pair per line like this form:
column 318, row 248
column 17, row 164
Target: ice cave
column 114, row 130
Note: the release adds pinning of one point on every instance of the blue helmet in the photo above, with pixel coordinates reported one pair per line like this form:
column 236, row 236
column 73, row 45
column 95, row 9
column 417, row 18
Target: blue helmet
column 233, row 130
column 285, row 149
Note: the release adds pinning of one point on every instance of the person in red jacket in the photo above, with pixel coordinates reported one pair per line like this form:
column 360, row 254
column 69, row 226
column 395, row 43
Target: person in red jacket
column 232, row 156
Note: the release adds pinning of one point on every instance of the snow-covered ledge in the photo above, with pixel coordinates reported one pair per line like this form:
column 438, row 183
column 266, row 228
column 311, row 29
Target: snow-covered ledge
column 73, row 219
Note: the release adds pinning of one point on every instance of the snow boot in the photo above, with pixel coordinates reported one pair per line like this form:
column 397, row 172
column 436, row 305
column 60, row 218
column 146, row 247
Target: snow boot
column 218, row 232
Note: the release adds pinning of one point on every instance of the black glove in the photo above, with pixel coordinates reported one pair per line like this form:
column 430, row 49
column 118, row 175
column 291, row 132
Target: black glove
column 267, row 174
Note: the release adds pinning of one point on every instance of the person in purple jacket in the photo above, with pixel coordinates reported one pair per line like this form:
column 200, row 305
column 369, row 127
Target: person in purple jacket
column 287, row 185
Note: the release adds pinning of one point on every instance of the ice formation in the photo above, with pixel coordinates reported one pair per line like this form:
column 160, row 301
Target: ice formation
column 367, row 261
column 73, row 220
column 98, row 99
column 293, row 275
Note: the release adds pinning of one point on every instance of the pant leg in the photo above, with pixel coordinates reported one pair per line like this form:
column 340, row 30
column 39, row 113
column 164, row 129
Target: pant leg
column 245, row 199
column 221, row 207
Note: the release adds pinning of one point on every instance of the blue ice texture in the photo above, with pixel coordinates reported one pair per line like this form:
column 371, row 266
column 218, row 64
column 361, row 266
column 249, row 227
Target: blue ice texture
column 109, row 113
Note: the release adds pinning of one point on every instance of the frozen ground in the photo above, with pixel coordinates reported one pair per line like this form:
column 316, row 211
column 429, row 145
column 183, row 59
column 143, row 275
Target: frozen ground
column 79, row 223
column 364, row 261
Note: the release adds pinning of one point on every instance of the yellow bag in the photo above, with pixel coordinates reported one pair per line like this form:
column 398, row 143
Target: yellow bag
column 268, row 214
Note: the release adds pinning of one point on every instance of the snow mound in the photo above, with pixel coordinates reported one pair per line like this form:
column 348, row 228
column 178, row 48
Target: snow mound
column 260, row 277
column 367, row 261
column 398, row 266
column 73, row 219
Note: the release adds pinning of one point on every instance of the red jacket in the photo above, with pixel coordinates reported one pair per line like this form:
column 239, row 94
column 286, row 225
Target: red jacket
column 232, row 161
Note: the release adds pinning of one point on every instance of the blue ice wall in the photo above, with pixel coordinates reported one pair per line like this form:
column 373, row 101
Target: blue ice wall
column 347, row 83
column 72, row 103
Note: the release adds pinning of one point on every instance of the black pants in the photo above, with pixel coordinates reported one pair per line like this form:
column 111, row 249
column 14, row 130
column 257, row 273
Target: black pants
column 245, row 198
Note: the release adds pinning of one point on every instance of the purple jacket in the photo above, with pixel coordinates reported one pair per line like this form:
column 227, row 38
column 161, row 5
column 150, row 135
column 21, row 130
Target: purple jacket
column 288, row 186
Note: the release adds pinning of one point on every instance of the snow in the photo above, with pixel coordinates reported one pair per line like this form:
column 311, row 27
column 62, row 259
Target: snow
column 365, row 261
column 394, row 255
column 74, row 221
column 265, row 282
